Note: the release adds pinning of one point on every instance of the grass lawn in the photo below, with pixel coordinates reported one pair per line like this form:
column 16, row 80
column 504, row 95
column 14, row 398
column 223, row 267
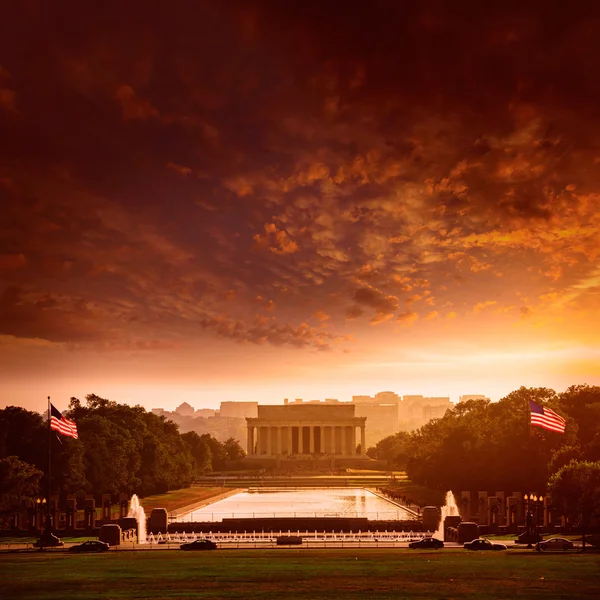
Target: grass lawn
column 180, row 498
column 283, row 574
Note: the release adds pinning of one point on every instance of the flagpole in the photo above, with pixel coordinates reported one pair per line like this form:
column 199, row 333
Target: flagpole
column 48, row 515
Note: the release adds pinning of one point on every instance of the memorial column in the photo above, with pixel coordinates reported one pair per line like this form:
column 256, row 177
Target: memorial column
column 269, row 441
column 300, row 440
column 249, row 441
column 311, row 431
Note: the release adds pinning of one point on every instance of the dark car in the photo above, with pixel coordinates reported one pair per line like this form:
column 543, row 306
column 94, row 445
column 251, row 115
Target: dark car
column 90, row 546
column 556, row 544
column 199, row 545
column 48, row 540
column 428, row 542
column 482, row 544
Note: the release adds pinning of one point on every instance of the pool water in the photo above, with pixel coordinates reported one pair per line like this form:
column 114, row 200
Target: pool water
column 323, row 502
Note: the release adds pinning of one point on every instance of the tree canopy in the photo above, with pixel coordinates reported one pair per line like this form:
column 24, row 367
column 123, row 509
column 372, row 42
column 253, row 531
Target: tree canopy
column 486, row 445
column 120, row 449
column 575, row 492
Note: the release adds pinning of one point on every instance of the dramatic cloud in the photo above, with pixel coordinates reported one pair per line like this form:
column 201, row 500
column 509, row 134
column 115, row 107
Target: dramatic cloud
column 285, row 175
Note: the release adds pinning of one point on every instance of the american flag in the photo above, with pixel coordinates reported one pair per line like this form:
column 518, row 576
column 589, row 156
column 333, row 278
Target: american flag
column 61, row 424
column 546, row 418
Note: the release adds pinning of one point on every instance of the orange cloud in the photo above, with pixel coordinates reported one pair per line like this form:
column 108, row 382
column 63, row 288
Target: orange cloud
column 407, row 318
column 483, row 305
column 285, row 245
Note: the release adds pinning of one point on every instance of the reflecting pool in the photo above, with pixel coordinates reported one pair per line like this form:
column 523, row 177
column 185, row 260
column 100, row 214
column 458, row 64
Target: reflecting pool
column 322, row 502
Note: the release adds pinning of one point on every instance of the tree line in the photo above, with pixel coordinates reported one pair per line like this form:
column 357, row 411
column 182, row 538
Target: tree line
column 120, row 449
column 483, row 445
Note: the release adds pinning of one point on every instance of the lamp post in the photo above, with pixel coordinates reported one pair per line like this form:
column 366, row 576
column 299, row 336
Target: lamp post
column 538, row 505
column 532, row 501
column 528, row 519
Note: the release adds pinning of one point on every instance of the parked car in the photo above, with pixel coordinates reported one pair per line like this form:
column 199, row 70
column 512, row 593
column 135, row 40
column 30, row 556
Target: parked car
column 556, row 544
column 90, row 546
column 482, row 544
column 428, row 542
column 199, row 545
column 48, row 540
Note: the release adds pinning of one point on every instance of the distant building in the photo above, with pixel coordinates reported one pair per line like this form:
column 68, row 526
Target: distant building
column 468, row 397
column 185, row 410
column 415, row 410
column 299, row 429
column 158, row 411
column 286, row 401
column 387, row 398
column 382, row 421
column 205, row 413
column 363, row 400
column 238, row 410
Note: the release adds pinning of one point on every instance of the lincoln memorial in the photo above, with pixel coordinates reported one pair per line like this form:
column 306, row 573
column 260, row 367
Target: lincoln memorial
column 305, row 429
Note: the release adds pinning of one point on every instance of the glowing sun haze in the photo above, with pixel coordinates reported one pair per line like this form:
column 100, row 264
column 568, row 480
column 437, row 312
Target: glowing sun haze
column 253, row 200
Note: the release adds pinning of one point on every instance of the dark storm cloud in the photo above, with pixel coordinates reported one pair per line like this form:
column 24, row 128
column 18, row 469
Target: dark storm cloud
column 158, row 158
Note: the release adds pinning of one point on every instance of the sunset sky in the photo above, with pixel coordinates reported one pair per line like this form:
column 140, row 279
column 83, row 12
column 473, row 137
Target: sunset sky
column 251, row 200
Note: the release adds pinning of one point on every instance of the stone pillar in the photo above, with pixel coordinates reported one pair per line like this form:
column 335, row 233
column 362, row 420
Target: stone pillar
column 547, row 522
column 501, row 508
column 249, row 441
column 300, row 440
column 71, row 512
column 269, row 441
column 482, row 512
column 279, row 440
column 311, row 433
column 89, row 512
column 106, row 504
column 343, row 440
column 363, row 441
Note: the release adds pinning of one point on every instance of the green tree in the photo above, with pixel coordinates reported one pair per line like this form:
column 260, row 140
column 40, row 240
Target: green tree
column 23, row 434
column 392, row 449
column 575, row 492
column 131, row 450
column 200, row 451
column 233, row 449
column 217, row 449
column 19, row 483
column 581, row 403
column 485, row 445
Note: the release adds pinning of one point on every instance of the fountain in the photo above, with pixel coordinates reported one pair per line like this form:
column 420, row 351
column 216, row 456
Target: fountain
column 136, row 511
column 448, row 510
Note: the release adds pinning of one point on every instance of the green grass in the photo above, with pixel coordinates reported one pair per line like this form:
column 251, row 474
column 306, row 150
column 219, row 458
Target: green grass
column 180, row 498
column 283, row 574
column 5, row 541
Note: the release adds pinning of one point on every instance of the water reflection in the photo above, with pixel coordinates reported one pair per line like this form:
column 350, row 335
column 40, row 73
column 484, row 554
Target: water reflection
column 324, row 502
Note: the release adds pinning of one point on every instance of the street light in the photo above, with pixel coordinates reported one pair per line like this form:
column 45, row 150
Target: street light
column 528, row 519
column 531, row 526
